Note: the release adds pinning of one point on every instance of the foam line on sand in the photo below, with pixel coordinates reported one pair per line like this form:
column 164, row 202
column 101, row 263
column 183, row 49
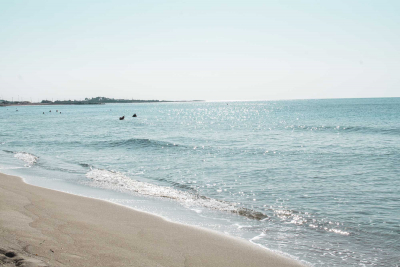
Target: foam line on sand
column 43, row 227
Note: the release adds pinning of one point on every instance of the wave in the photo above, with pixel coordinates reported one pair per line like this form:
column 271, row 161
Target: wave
column 85, row 165
column 29, row 159
column 120, row 182
column 138, row 142
column 361, row 129
column 131, row 143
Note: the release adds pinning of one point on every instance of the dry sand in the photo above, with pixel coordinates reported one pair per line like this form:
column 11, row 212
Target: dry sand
column 42, row 227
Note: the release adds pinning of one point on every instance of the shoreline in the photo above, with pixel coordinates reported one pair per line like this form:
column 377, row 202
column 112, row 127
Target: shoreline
column 99, row 103
column 45, row 227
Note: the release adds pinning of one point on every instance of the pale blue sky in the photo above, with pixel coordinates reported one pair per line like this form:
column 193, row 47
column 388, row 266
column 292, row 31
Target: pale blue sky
column 213, row 50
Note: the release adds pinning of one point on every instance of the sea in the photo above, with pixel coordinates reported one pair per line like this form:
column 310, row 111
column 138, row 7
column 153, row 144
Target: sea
column 314, row 180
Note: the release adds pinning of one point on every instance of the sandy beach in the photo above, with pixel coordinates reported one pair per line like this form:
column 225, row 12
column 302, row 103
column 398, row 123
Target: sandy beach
column 42, row 227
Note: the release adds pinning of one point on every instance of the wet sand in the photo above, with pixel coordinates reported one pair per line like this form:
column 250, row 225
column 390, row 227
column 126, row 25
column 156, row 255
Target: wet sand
column 42, row 227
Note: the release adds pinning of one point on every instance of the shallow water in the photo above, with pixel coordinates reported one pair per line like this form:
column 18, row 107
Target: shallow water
column 314, row 179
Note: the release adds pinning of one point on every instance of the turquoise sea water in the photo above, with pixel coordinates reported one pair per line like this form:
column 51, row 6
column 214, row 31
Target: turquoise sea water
column 318, row 180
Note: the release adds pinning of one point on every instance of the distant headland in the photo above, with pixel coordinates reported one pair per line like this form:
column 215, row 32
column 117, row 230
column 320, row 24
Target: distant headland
column 88, row 101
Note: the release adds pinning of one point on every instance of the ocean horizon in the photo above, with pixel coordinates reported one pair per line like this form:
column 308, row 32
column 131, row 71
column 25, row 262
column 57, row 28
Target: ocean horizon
column 315, row 179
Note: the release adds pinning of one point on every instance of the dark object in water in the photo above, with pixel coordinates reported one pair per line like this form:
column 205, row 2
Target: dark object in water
column 134, row 115
column 121, row 118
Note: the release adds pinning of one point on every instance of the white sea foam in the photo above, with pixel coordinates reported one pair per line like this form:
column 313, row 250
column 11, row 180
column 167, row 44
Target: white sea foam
column 120, row 182
column 239, row 226
column 257, row 237
column 10, row 168
column 29, row 159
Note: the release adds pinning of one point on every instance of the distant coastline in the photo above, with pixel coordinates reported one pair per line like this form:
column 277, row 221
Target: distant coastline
column 88, row 101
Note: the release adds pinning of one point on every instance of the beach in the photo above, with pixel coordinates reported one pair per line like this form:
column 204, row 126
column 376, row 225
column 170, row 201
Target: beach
column 42, row 227
column 284, row 176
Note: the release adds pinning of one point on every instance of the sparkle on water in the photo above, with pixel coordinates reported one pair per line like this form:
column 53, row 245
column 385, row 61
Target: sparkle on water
column 315, row 179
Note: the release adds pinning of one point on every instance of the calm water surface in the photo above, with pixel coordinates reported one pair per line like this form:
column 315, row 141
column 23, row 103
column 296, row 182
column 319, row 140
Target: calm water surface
column 318, row 180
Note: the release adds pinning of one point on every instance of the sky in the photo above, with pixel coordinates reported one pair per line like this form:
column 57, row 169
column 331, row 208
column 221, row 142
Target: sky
column 199, row 50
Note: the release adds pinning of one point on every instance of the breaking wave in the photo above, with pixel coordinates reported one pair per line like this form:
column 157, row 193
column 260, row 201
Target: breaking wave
column 29, row 159
column 120, row 182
